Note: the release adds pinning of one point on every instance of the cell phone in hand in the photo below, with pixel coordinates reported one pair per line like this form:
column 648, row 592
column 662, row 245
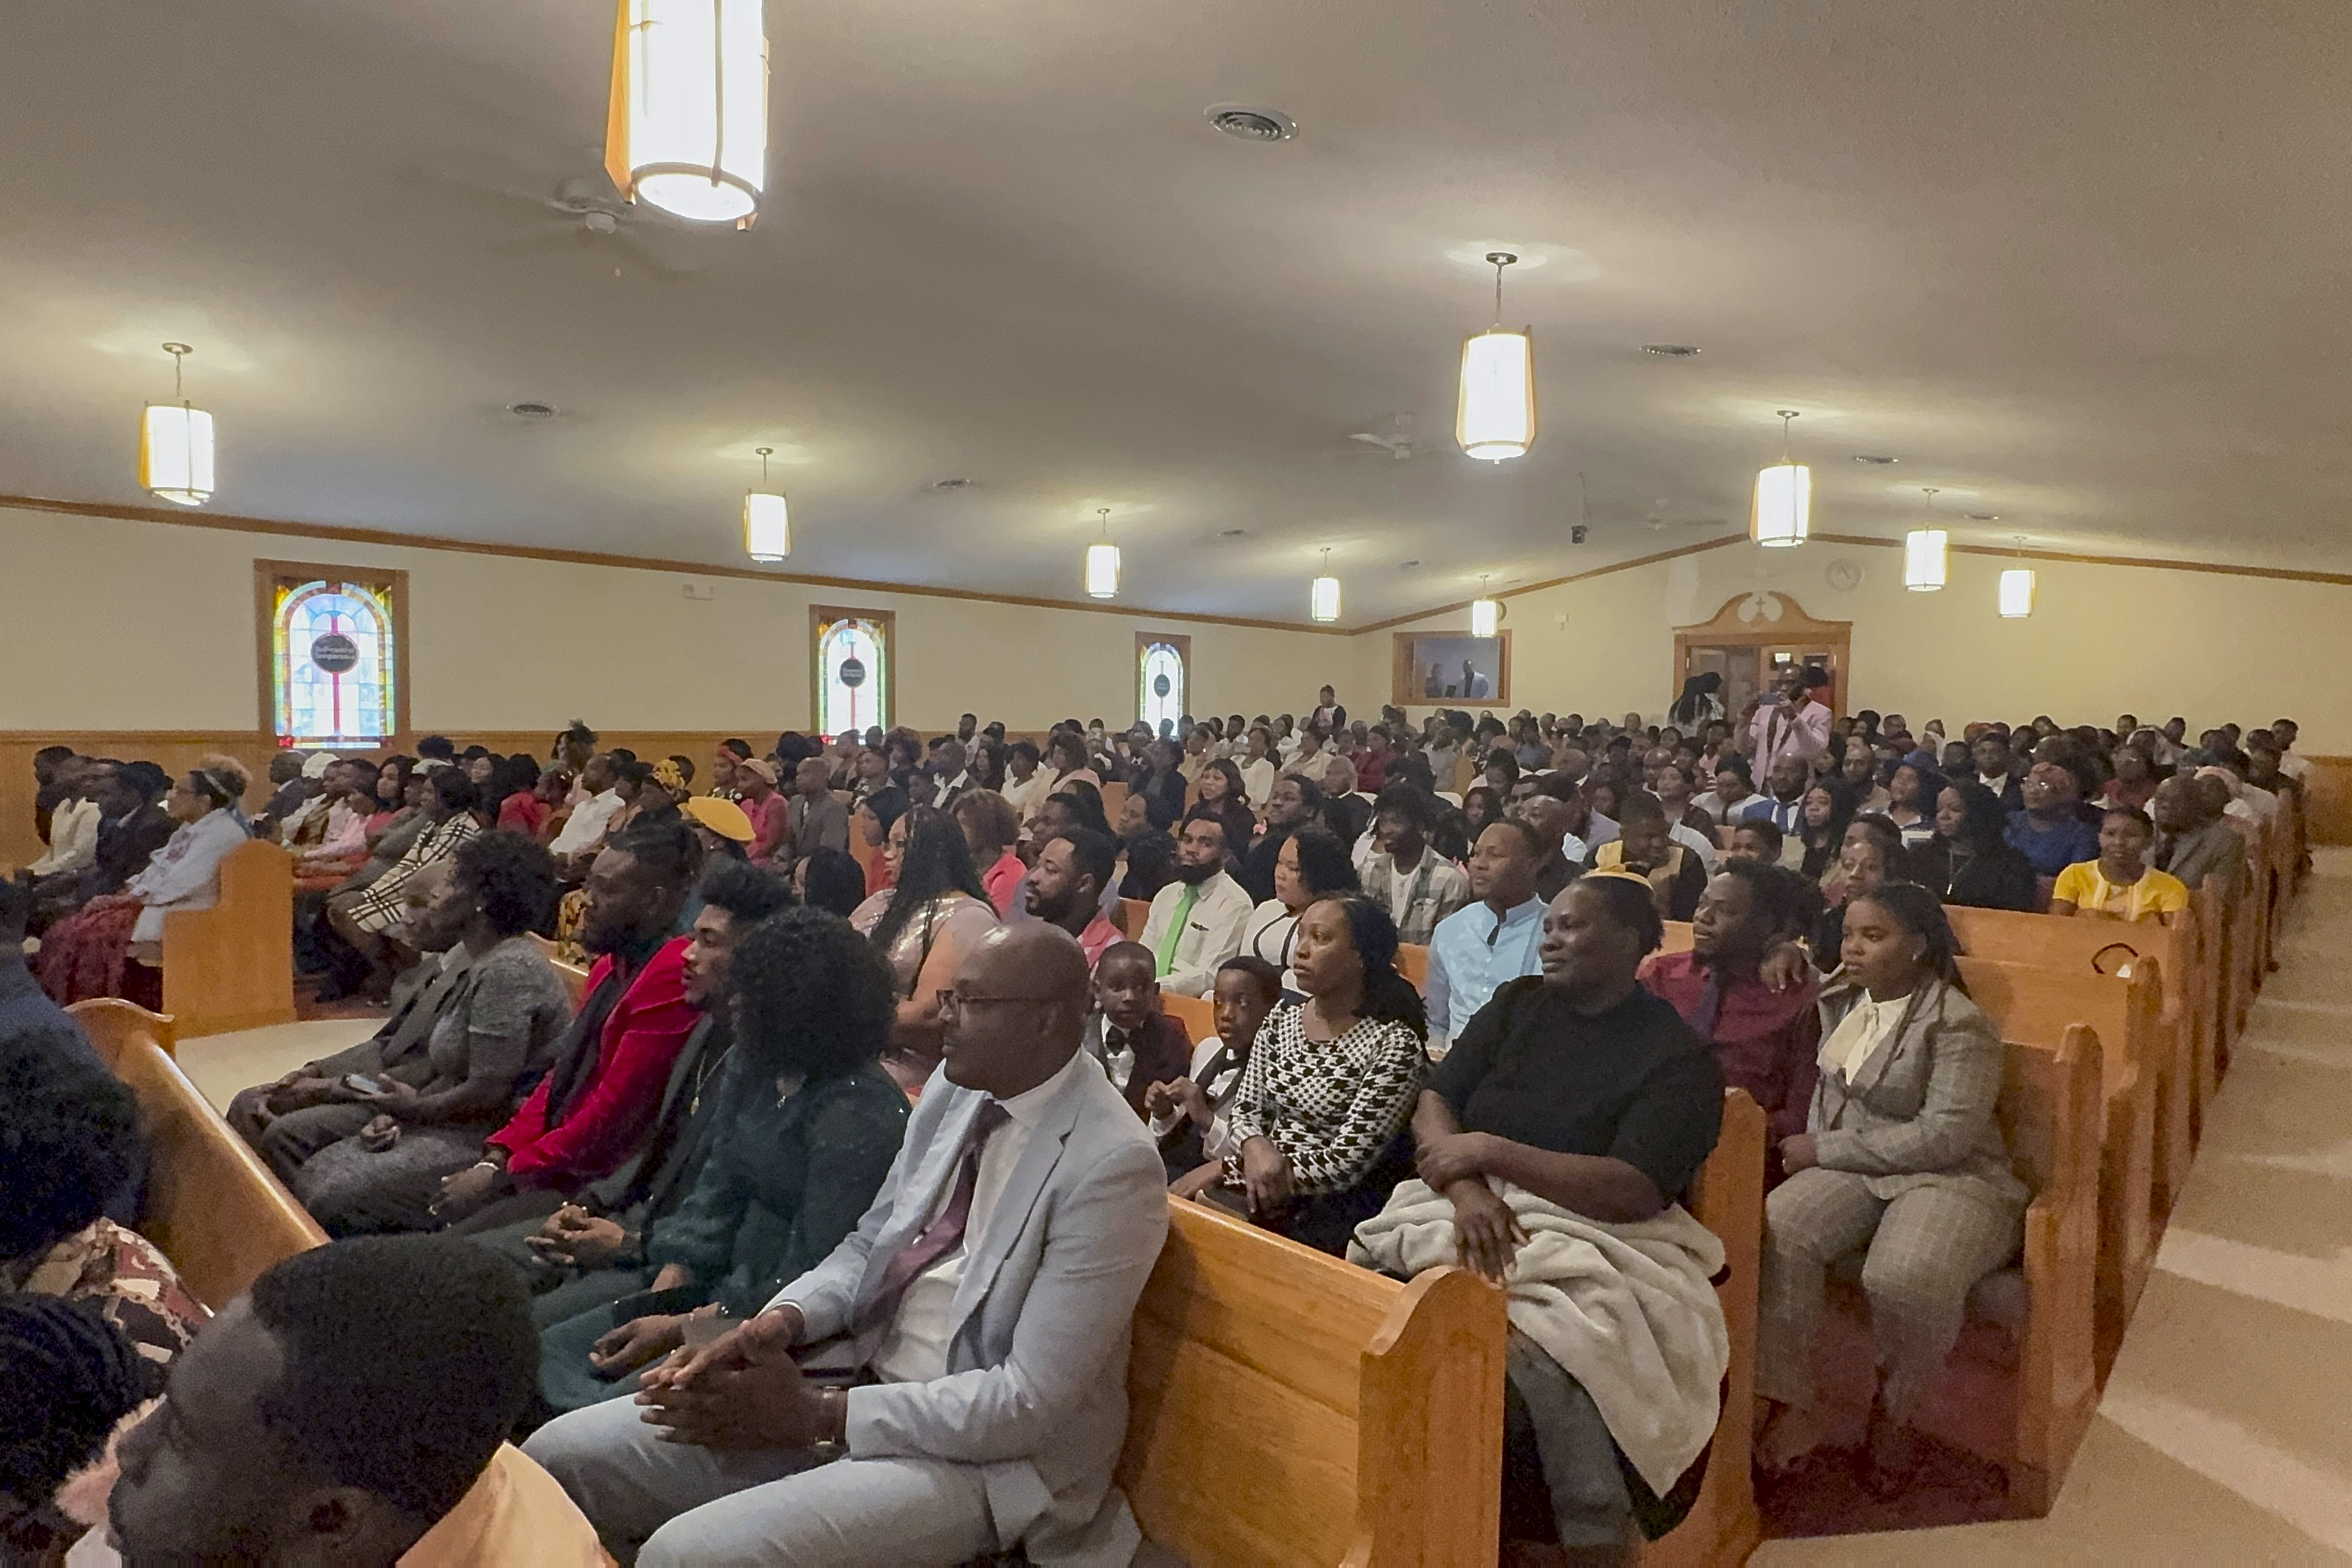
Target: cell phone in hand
column 360, row 1083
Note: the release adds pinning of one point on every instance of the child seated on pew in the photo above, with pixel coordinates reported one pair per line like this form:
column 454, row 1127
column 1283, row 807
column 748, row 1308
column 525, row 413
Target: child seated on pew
column 2120, row 885
column 1188, row 1113
column 1138, row 1044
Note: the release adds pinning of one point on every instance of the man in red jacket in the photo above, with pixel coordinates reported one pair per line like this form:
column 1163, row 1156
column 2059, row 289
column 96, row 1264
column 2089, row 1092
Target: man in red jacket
column 597, row 1103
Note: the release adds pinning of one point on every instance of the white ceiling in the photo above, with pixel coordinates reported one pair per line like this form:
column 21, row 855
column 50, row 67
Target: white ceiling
column 2078, row 263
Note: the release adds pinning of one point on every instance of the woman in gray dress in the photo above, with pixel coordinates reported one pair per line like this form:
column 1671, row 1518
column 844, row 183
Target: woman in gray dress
column 495, row 1032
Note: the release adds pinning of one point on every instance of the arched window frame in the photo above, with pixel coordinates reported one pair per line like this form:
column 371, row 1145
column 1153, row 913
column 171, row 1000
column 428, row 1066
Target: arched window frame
column 877, row 697
column 281, row 589
column 1149, row 710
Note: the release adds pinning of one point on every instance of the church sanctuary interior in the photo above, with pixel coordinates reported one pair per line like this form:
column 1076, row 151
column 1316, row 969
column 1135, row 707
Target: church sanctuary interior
column 1232, row 785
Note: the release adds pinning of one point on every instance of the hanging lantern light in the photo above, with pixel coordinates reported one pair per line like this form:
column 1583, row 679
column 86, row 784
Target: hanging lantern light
column 1497, row 417
column 2016, row 589
column 767, row 523
column 175, row 443
column 1323, row 597
column 686, row 130
column 1925, row 553
column 1485, row 615
column 1102, row 563
column 1784, row 499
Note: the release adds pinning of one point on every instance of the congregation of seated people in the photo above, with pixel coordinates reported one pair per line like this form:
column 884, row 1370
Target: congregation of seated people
column 769, row 1171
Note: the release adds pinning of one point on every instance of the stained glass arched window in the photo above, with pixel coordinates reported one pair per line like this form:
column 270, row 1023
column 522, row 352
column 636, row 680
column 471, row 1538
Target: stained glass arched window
column 852, row 666
column 334, row 656
column 1159, row 679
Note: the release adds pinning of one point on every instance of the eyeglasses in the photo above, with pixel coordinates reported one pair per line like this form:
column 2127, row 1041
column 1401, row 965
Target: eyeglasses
column 956, row 1002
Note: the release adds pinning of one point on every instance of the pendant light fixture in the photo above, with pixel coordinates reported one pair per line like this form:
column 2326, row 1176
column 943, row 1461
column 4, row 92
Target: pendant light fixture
column 1784, row 499
column 1925, row 552
column 175, row 443
column 1485, row 615
column 687, row 128
column 1323, row 597
column 1102, row 563
column 767, row 523
column 1497, row 417
column 2017, row 586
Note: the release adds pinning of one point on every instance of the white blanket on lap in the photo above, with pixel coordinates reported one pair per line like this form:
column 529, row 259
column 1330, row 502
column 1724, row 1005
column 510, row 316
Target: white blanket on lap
column 1625, row 1309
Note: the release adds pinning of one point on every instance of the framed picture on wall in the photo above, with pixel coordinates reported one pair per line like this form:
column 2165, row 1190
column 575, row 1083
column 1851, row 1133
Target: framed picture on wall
column 1451, row 669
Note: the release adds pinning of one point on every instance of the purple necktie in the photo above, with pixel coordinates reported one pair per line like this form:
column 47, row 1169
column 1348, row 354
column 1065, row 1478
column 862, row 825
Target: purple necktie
column 945, row 1233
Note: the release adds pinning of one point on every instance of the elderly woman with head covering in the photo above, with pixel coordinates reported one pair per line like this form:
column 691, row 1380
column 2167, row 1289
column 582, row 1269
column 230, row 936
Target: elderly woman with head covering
column 85, row 955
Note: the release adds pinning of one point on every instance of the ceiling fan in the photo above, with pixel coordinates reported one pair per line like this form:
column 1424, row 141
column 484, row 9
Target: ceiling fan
column 1396, row 441
column 580, row 215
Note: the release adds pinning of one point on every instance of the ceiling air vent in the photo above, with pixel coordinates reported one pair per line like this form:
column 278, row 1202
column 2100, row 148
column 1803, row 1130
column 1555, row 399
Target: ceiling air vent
column 1251, row 124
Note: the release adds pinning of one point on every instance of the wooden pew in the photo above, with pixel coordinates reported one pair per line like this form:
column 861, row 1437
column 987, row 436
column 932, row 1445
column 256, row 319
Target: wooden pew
column 1133, row 914
column 2036, row 1007
column 575, row 978
column 1287, row 1408
column 1197, row 1014
column 1413, row 963
column 232, row 966
column 214, row 1207
column 2086, row 946
column 1729, row 1199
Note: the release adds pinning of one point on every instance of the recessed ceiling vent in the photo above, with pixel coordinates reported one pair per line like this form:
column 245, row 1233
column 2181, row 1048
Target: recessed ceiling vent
column 1249, row 124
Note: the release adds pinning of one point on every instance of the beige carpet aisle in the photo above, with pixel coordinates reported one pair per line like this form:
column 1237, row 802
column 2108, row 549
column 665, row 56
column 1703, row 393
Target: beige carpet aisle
column 2225, row 1433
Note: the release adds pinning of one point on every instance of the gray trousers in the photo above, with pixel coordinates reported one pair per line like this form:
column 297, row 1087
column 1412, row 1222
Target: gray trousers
column 1927, row 1248
column 657, row 1503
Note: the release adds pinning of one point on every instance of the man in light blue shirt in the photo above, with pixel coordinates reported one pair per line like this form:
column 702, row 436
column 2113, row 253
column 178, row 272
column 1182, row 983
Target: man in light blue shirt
column 1475, row 950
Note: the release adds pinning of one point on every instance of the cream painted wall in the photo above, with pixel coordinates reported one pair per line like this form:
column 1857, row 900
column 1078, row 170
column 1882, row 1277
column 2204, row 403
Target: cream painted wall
column 125, row 625
column 2101, row 640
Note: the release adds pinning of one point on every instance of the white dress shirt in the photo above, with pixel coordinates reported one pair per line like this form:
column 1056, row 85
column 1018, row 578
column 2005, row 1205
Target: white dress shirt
column 73, row 839
column 916, row 1348
column 584, row 828
column 186, row 873
column 1257, row 780
column 1691, row 838
column 1212, row 933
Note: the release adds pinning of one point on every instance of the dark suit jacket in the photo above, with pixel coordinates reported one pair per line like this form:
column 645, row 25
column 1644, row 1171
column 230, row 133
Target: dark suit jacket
column 125, row 847
column 1163, row 1054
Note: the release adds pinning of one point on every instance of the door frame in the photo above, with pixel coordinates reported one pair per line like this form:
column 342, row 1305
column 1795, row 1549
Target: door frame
column 1732, row 628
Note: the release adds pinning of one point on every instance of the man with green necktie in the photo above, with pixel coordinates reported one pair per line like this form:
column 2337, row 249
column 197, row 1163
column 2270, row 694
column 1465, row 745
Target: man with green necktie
column 1196, row 920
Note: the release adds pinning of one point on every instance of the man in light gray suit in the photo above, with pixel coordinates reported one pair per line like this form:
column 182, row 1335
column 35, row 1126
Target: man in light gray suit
column 990, row 1399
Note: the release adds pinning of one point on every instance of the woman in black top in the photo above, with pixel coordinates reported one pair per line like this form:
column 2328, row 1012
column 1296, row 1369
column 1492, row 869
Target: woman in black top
column 1970, row 861
column 1591, row 1093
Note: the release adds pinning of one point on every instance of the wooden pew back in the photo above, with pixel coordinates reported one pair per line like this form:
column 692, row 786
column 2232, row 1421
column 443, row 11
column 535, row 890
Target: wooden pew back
column 2038, row 1007
column 1133, row 915
column 1729, row 1199
column 216, row 1211
column 1197, row 1014
column 1287, row 1408
column 232, row 966
column 2049, row 1114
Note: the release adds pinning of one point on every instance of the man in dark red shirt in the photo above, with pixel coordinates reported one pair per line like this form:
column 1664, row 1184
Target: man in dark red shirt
column 1765, row 1038
column 597, row 1102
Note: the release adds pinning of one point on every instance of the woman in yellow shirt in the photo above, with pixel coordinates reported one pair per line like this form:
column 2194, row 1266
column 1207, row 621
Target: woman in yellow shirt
column 2119, row 885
